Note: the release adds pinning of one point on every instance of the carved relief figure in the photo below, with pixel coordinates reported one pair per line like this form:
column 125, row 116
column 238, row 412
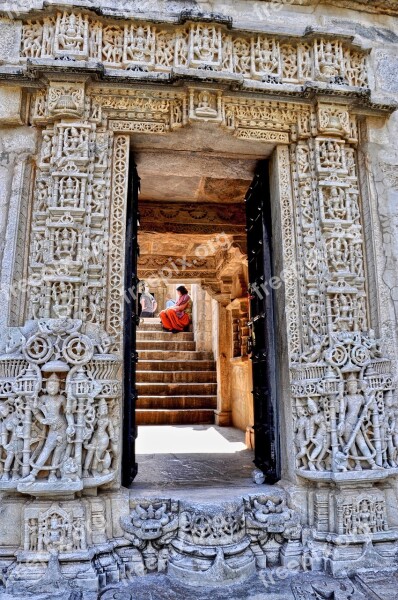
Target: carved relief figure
column 353, row 412
column 316, row 437
column 71, row 33
column 335, row 204
column 266, row 57
column 63, row 297
column 59, row 426
column 11, row 440
column 98, row 457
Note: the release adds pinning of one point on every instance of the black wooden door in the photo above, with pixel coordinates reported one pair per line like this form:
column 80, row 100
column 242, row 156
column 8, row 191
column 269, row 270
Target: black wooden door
column 259, row 240
column 131, row 320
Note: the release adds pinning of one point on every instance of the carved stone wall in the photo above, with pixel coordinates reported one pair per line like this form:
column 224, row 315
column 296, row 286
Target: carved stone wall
column 60, row 394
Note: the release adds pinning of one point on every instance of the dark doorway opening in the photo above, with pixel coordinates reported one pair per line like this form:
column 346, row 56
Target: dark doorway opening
column 262, row 339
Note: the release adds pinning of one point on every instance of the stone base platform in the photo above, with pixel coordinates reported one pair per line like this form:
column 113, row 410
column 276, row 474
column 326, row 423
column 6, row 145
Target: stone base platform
column 268, row 584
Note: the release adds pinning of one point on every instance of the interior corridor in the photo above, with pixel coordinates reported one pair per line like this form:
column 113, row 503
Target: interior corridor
column 194, row 410
column 175, row 382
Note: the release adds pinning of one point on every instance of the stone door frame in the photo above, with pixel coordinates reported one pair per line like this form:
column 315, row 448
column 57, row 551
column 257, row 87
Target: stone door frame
column 79, row 207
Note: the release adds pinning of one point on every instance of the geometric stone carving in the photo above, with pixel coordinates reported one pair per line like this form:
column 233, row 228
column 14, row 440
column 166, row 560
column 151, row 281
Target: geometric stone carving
column 65, row 100
column 208, row 544
column 211, row 546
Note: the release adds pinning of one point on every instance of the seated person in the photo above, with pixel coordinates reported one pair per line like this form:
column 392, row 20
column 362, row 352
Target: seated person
column 148, row 304
column 178, row 317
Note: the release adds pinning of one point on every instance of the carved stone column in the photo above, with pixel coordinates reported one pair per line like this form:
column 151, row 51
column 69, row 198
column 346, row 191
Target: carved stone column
column 223, row 412
column 60, row 390
column 344, row 406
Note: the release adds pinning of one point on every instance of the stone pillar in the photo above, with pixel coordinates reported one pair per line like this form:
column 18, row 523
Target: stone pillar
column 223, row 412
column 342, row 388
column 18, row 144
column 63, row 401
column 203, row 322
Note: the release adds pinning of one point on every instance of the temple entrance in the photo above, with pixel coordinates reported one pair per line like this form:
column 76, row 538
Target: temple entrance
column 200, row 404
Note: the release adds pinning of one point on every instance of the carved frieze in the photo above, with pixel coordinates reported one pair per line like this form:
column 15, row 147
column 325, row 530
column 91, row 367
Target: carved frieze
column 192, row 218
column 344, row 409
column 58, row 528
column 259, row 59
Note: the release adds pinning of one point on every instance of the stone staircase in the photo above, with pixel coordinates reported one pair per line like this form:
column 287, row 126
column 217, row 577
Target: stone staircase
column 176, row 384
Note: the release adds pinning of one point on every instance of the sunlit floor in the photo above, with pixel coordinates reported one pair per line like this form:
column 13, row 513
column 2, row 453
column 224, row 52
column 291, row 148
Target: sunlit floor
column 192, row 456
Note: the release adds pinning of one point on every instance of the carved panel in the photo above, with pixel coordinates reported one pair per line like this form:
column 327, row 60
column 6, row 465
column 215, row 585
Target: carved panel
column 138, row 46
column 59, row 397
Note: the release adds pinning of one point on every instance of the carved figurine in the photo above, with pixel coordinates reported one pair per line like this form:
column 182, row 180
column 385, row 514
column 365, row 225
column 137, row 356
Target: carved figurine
column 204, row 45
column 98, row 457
column 354, row 409
column 35, row 302
column 33, row 534
column 204, row 108
column 50, row 412
column 316, row 436
column 336, row 208
column 11, row 440
column 301, row 438
column 328, row 62
column 70, row 37
column 63, row 299
column 390, row 431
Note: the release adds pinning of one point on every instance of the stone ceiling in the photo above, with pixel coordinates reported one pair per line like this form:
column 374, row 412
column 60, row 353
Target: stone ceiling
column 217, row 167
column 189, row 201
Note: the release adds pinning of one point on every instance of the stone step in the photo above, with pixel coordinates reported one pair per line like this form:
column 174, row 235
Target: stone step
column 150, row 325
column 166, row 345
column 177, row 402
column 176, row 389
column 176, row 376
column 174, row 417
column 176, row 365
column 164, row 336
column 173, row 355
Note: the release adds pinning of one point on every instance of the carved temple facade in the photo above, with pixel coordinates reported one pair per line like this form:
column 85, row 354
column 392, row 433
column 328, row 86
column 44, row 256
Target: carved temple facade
column 315, row 94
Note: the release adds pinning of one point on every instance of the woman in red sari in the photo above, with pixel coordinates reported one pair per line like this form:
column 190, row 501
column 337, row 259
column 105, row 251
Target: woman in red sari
column 178, row 317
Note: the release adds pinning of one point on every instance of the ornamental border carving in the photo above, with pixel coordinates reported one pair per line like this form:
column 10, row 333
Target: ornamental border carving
column 253, row 60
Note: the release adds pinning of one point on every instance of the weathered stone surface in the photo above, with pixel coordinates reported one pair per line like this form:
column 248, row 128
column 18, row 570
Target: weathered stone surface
column 251, row 79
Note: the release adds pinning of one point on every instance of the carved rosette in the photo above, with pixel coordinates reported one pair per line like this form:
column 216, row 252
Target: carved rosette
column 59, row 413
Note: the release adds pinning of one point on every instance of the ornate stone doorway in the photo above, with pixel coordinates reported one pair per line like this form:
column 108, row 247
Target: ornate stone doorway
column 193, row 228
